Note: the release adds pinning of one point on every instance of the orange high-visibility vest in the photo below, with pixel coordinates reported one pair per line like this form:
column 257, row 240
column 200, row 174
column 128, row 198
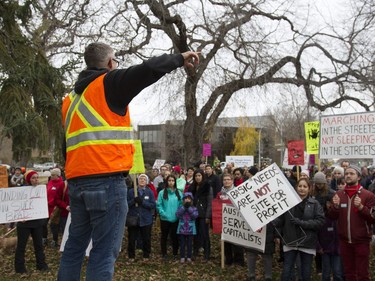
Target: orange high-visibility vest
column 98, row 141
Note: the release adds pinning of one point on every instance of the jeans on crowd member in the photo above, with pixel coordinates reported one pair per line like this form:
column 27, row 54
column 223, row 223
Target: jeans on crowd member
column 186, row 241
column 289, row 261
column 332, row 264
column 98, row 211
column 355, row 258
column 133, row 234
column 168, row 229
column 202, row 239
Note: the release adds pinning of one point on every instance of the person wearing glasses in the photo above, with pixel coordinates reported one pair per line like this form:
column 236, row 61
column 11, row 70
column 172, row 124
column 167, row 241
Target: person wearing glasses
column 99, row 153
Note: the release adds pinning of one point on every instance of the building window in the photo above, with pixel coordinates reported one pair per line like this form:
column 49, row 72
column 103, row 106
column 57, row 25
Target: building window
column 150, row 136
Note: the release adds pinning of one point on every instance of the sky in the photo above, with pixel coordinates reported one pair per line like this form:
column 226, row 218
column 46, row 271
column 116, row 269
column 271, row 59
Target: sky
column 147, row 107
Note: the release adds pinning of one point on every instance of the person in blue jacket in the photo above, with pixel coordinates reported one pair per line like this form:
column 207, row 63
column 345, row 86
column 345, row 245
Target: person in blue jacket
column 169, row 199
column 141, row 206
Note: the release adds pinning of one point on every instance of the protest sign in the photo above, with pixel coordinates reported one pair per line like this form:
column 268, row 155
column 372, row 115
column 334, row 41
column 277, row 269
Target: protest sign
column 158, row 163
column 236, row 230
column 349, row 136
column 287, row 166
column 241, row 160
column 264, row 197
column 296, row 152
column 23, row 203
column 138, row 164
column 206, row 149
column 312, row 137
column 217, row 216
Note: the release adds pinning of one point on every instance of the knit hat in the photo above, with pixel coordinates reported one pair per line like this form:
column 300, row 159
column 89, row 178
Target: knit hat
column 253, row 170
column 55, row 172
column 320, row 177
column 188, row 194
column 177, row 169
column 356, row 168
column 338, row 169
column 306, row 172
column 28, row 176
column 144, row 176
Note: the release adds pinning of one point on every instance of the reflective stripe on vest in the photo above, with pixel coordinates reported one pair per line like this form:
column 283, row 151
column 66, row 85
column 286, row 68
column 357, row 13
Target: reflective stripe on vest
column 97, row 130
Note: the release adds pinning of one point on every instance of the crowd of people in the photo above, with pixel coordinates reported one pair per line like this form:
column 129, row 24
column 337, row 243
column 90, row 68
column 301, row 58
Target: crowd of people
column 332, row 225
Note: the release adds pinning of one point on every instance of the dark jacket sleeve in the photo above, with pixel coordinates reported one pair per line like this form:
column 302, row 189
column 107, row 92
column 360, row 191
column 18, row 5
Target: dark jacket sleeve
column 315, row 223
column 122, row 85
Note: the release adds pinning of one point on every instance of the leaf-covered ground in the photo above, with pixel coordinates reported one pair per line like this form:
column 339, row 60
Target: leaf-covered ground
column 153, row 270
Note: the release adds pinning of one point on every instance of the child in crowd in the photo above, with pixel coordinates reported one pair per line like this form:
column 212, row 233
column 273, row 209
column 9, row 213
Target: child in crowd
column 187, row 214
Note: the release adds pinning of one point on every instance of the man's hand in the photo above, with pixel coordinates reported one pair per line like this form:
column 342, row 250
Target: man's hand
column 190, row 58
column 336, row 201
column 358, row 203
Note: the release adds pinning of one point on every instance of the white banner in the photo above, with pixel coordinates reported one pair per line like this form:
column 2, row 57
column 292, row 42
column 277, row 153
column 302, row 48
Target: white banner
column 23, row 203
column 350, row 136
column 264, row 197
column 237, row 231
column 158, row 163
column 240, row 161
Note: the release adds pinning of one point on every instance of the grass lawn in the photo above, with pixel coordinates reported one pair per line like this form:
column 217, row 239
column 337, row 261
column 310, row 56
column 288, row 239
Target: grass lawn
column 152, row 270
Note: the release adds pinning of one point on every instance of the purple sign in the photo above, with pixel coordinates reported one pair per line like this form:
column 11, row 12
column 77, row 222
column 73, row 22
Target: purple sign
column 206, row 149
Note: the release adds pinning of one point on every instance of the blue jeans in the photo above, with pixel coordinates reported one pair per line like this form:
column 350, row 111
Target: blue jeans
column 332, row 263
column 186, row 240
column 98, row 210
column 289, row 261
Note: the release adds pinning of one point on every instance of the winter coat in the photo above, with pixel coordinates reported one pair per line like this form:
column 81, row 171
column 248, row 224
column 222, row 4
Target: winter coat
column 328, row 238
column 52, row 187
column 310, row 223
column 354, row 226
column 167, row 208
column 270, row 241
column 186, row 224
column 63, row 203
column 145, row 210
column 202, row 199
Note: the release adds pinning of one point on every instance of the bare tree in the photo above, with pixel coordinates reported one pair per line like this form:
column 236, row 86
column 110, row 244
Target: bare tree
column 244, row 45
column 249, row 44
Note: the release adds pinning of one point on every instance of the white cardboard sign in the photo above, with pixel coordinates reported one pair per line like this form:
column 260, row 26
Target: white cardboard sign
column 264, row 197
column 23, row 203
column 236, row 230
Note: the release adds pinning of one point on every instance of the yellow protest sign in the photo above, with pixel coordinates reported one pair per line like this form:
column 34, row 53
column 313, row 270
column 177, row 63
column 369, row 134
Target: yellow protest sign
column 312, row 132
column 138, row 164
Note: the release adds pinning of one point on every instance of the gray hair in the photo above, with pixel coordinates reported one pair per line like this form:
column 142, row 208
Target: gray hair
column 97, row 55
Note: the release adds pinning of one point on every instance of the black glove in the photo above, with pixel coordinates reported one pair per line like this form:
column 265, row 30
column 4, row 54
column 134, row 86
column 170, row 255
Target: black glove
column 138, row 200
column 187, row 205
column 295, row 221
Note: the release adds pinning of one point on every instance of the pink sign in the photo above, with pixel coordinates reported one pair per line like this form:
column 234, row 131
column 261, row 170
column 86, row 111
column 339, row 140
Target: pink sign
column 206, row 149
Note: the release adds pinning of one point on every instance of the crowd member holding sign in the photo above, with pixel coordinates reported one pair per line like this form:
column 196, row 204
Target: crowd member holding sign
column 99, row 153
column 233, row 253
column 141, row 206
column 202, row 192
column 352, row 207
column 187, row 213
column 169, row 199
column 33, row 228
column 299, row 229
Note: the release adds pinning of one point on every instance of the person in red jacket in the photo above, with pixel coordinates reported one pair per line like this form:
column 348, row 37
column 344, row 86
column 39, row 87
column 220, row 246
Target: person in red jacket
column 53, row 185
column 352, row 207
